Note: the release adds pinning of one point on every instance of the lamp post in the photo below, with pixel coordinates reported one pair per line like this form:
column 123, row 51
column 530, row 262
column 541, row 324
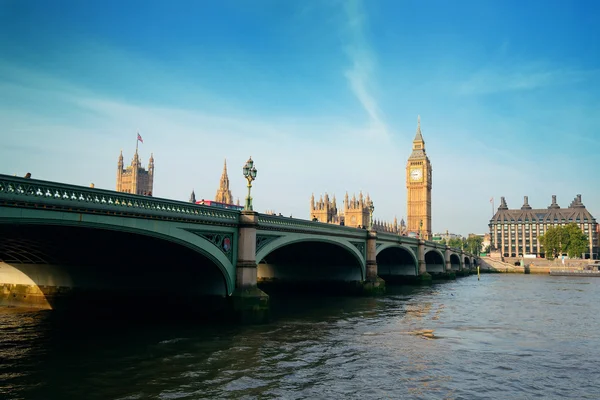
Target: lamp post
column 250, row 175
column 420, row 228
column 371, row 209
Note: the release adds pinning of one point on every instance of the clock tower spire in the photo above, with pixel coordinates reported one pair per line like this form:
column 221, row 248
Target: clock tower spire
column 418, row 185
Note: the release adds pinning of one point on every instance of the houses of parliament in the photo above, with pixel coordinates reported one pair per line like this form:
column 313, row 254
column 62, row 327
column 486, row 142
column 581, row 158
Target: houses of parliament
column 135, row 178
column 356, row 211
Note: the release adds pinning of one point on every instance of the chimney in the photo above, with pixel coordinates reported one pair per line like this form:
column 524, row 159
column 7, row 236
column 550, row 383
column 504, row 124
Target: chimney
column 503, row 205
column 526, row 205
column 553, row 205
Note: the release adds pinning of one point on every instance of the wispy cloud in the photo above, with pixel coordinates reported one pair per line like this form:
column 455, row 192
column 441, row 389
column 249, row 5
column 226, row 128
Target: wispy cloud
column 360, row 74
column 520, row 78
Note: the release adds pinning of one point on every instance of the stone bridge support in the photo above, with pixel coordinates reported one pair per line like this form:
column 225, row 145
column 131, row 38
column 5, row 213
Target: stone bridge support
column 423, row 277
column 249, row 303
column 448, row 272
column 373, row 284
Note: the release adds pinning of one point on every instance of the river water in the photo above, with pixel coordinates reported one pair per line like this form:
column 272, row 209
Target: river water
column 503, row 337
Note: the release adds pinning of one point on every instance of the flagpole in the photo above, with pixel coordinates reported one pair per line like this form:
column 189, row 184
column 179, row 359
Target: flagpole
column 493, row 208
column 136, row 142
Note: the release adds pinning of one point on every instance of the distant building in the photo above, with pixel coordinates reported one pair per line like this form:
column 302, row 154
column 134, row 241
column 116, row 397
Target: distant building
column 445, row 237
column 515, row 232
column 135, row 179
column 355, row 213
column 223, row 198
column 223, row 193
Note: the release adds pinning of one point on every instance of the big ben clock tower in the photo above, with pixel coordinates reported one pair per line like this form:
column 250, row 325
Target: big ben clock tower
column 418, row 185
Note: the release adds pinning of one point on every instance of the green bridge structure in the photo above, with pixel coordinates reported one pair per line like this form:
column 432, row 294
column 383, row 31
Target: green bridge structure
column 58, row 239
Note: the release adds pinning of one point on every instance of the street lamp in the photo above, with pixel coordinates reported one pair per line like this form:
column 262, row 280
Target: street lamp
column 250, row 175
column 420, row 228
column 371, row 209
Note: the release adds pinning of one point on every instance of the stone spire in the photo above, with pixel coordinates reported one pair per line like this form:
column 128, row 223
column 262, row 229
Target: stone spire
column 151, row 164
column 418, row 147
column 223, row 193
column 418, row 136
column 193, row 197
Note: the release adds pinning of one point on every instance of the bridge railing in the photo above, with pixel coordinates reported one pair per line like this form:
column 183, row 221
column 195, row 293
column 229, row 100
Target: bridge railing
column 274, row 221
column 34, row 193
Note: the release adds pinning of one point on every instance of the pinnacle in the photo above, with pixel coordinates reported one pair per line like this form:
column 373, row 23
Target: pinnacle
column 418, row 136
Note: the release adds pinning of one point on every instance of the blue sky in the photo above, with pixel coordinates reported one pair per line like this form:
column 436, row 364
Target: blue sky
column 324, row 95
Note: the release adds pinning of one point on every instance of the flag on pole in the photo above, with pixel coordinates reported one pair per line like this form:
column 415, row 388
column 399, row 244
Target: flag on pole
column 140, row 138
column 491, row 199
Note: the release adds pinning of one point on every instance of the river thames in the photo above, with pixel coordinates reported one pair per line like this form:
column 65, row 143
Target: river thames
column 503, row 337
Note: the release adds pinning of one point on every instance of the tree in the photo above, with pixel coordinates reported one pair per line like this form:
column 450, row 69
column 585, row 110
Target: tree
column 564, row 239
column 577, row 241
column 456, row 243
column 551, row 241
column 474, row 244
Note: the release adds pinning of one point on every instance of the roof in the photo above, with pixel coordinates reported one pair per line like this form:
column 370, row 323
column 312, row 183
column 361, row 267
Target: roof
column 576, row 212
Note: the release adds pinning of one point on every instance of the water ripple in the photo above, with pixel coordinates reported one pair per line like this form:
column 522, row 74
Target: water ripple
column 521, row 337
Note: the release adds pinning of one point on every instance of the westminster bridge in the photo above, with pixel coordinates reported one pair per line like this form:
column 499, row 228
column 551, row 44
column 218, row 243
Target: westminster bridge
column 57, row 239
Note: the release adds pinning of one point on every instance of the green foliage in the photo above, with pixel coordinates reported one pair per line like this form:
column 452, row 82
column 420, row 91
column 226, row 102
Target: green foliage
column 474, row 244
column 564, row 239
column 456, row 243
column 577, row 241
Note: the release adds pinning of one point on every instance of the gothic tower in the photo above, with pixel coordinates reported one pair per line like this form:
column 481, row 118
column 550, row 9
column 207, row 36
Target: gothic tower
column 418, row 185
column 223, row 193
column 135, row 178
column 324, row 210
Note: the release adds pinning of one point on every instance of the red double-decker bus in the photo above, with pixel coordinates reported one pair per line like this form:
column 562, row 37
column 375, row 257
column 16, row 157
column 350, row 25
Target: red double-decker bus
column 219, row 205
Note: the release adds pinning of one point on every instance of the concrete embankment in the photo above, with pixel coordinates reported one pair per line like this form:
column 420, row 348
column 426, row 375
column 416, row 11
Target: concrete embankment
column 532, row 266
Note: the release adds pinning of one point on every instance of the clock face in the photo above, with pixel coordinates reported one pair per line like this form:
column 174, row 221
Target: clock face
column 416, row 174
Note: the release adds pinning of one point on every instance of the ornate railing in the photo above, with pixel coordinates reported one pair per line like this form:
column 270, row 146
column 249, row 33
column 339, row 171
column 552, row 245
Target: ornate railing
column 34, row 193
column 285, row 223
column 393, row 237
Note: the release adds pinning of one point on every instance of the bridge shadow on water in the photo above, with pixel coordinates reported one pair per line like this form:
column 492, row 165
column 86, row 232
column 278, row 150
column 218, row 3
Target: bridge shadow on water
column 95, row 274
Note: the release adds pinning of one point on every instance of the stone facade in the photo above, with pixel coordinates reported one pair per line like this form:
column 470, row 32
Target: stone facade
column 418, row 185
column 515, row 232
column 355, row 213
column 135, row 178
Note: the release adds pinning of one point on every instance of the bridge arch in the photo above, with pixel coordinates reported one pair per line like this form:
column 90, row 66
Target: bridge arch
column 305, row 257
column 467, row 262
column 182, row 246
column 434, row 261
column 395, row 260
column 455, row 262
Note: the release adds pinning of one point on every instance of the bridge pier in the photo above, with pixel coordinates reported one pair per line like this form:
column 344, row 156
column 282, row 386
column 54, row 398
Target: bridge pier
column 373, row 284
column 424, row 277
column 249, row 303
column 448, row 273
